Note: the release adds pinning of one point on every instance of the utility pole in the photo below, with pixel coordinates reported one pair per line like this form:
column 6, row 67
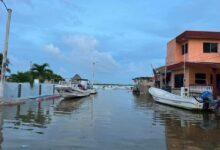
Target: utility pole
column 93, row 73
column 166, row 73
column 5, row 51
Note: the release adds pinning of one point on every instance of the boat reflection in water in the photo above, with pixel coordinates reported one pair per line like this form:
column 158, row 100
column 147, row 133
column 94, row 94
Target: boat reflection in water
column 67, row 107
column 185, row 129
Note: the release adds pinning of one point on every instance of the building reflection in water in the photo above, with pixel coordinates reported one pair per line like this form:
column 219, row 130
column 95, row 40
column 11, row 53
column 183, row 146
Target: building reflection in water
column 201, row 133
column 184, row 129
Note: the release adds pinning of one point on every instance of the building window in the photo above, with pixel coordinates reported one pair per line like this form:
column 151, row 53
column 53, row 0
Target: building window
column 200, row 78
column 210, row 47
column 185, row 48
column 178, row 80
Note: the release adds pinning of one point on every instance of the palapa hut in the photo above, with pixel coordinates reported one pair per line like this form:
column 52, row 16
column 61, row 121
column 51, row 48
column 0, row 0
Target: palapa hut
column 76, row 79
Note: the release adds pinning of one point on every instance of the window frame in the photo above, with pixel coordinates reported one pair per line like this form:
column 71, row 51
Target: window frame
column 184, row 48
column 179, row 84
column 200, row 80
column 210, row 47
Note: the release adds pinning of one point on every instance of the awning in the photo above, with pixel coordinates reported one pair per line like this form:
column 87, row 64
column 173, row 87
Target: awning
column 194, row 64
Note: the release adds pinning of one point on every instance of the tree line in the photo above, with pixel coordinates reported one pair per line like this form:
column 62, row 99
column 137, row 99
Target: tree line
column 42, row 72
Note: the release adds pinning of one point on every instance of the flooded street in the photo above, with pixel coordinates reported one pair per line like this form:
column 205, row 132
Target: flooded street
column 112, row 119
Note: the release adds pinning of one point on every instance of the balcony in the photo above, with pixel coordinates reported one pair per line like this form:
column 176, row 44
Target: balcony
column 198, row 89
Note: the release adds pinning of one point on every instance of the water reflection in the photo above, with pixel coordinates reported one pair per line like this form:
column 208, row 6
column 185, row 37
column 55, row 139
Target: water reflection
column 188, row 130
column 38, row 118
column 184, row 129
column 68, row 106
column 143, row 101
column 29, row 116
column 113, row 119
column 1, row 125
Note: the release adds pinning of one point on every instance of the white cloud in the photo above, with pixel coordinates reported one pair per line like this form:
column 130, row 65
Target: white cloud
column 81, row 42
column 84, row 50
column 80, row 52
column 51, row 49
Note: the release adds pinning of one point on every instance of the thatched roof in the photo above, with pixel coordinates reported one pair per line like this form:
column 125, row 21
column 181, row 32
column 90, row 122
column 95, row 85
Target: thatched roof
column 76, row 78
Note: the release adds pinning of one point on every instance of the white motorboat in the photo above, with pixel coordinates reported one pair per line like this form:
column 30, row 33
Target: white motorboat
column 69, row 93
column 89, row 90
column 189, row 103
column 75, row 88
column 92, row 91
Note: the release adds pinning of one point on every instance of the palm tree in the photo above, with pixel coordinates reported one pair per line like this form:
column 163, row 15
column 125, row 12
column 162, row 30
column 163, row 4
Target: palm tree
column 7, row 63
column 41, row 71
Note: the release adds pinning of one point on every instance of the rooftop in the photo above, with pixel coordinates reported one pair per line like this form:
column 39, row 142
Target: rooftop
column 209, row 35
column 194, row 64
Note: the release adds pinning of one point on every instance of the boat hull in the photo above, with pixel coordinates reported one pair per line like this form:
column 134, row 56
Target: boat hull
column 73, row 95
column 68, row 93
column 93, row 91
column 167, row 98
column 182, row 105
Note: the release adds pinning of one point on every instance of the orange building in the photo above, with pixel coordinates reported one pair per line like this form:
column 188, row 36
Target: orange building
column 195, row 55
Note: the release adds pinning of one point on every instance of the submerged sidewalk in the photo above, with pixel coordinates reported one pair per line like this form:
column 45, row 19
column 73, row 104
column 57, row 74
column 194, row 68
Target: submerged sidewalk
column 8, row 102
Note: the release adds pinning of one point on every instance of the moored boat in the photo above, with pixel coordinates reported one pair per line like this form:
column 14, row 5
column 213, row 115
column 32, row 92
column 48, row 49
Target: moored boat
column 69, row 93
column 190, row 103
column 92, row 91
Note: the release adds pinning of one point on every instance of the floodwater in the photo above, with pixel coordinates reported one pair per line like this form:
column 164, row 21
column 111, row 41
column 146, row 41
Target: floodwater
column 111, row 120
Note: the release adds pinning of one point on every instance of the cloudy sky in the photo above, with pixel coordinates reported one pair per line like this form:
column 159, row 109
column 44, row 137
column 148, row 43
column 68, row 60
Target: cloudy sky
column 123, row 37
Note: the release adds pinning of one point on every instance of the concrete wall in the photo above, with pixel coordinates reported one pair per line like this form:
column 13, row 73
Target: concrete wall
column 176, row 72
column 11, row 90
column 190, row 75
column 174, row 53
column 142, row 86
column 195, row 52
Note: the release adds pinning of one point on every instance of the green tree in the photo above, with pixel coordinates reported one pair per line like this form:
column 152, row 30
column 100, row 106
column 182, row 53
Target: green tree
column 41, row 71
column 21, row 77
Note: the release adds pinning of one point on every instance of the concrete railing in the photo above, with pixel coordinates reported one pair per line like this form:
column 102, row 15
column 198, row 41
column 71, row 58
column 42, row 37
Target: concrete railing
column 200, row 89
column 25, row 90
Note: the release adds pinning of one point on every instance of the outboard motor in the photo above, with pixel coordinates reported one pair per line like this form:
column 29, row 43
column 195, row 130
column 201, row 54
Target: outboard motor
column 206, row 97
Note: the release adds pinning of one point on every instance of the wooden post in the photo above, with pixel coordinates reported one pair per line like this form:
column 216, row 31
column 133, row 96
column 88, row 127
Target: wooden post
column 19, row 90
column 53, row 89
column 40, row 89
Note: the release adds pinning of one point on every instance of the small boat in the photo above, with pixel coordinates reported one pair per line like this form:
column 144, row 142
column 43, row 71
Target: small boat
column 85, row 91
column 92, row 91
column 190, row 103
column 89, row 89
column 69, row 93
